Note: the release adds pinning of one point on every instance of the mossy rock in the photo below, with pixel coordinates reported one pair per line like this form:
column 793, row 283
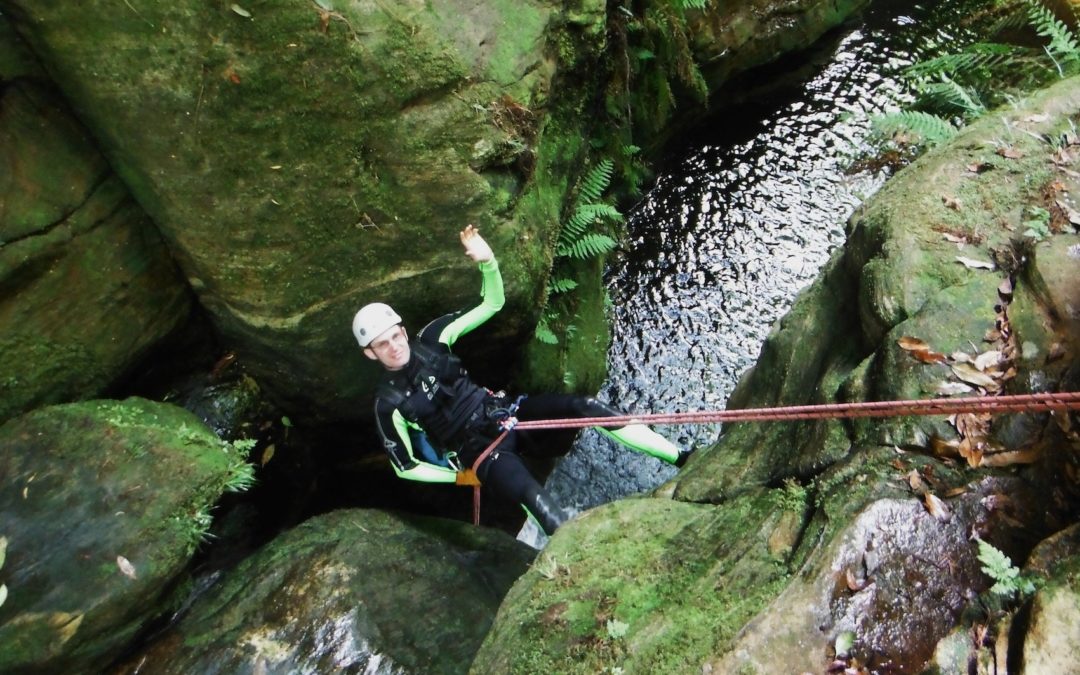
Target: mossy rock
column 350, row 591
column 86, row 284
column 102, row 505
column 303, row 161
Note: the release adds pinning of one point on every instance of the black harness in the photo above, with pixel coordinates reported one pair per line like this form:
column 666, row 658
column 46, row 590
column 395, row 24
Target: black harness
column 434, row 391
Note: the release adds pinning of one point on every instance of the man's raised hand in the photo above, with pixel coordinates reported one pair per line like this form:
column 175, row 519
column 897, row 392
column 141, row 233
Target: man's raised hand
column 475, row 246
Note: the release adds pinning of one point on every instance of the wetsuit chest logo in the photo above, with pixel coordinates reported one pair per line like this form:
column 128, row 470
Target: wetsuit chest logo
column 430, row 387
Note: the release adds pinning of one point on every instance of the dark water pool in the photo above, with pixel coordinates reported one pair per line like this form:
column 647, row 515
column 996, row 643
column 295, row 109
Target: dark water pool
column 741, row 217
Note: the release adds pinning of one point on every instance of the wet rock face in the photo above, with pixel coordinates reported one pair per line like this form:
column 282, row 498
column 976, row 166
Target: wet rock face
column 86, row 284
column 882, row 572
column 349, row 591
column 102, row 505
column 302, row 161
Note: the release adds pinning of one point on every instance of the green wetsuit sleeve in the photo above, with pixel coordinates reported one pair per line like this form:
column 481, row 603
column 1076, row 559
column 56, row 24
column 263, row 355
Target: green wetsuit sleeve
column 493, row 298
column 405, row 463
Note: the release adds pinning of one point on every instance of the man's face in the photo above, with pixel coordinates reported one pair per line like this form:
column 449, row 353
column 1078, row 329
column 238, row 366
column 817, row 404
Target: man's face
column 390, row 348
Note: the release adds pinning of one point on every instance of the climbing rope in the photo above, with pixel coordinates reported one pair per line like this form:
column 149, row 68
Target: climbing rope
column 1052, row 402
column 1047, row 402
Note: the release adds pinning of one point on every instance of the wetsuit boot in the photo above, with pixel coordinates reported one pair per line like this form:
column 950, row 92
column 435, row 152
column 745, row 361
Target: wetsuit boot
column 548, row 514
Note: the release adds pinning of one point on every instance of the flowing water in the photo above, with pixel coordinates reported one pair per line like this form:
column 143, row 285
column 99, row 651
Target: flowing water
column 739, row 220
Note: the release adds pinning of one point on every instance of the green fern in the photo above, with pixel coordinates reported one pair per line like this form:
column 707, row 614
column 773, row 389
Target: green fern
column 947, row 94
column 930, row 128
column 1063, row 46
column 595, row 182
column 561, row 285
column 590, row 245
column 545, row 334
column 1007, row 578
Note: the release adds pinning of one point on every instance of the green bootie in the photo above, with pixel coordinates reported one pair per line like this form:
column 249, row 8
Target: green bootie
column 641, row 438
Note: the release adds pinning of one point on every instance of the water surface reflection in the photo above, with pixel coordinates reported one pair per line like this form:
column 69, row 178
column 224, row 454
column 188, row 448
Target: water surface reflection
column 742, row 219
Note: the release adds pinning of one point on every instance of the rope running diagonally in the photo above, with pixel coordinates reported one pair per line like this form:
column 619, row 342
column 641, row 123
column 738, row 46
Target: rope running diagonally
column 1047, row 402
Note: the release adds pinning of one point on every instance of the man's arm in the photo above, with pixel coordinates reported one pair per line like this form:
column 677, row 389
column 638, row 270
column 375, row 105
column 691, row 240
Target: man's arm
column 447, row 329
column 395, row 438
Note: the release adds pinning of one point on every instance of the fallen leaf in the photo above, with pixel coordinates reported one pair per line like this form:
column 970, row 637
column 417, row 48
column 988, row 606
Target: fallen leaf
column 125, row 566
column 1073, row 214
column 971, row 263
column 987, row 360
column 930, row 357
column 937, row 508
column 912, row 344
column 853, row 582
column 945, row 388
column 240, row 10
column 972, row 375
column 1005, row 288
column 951, row 202
column 267, row 454
column 945, row 448
column 1010, row 457
column 979, row 167
column 956, row 491
column 915, row 481
column 960, row 357
column 1010, row 153
column 1057, row 350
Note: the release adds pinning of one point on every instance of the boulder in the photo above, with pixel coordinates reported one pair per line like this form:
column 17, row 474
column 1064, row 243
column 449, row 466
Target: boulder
column 102, row 505
column 302, row 159
column 848, row 544
column 349, row 591
column 86, row 283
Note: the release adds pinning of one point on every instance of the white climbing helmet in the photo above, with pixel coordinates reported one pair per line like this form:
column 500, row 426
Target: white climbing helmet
column 372, row 320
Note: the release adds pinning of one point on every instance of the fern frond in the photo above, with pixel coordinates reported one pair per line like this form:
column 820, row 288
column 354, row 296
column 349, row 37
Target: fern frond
column 691, row 4
column 561, row 285
column 1063, row 44
column 946, row 92
column 595, row 182
column 931, row 128
column 975, row 57
column 545, row 334
column 588, row 246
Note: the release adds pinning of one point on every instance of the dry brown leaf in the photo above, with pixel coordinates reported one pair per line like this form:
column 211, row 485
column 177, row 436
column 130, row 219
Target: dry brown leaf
column 972, row 375
column 1011, row 457
column 974, row 264
column 937, row 508
column 1057, row 350
column 979, row 167
column 915, row 481
column 912, row 344
column 267, row 455
column 930, row 357
column 992, row 335
column 854, row 583
column 945, row 448
column 945, row 388
column 1010, row 153
column 956, row 491
column 987, row 360
column 959, row 241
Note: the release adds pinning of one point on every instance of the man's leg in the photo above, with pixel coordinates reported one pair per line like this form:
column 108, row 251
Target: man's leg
column 505, row 473
column 634, row 436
